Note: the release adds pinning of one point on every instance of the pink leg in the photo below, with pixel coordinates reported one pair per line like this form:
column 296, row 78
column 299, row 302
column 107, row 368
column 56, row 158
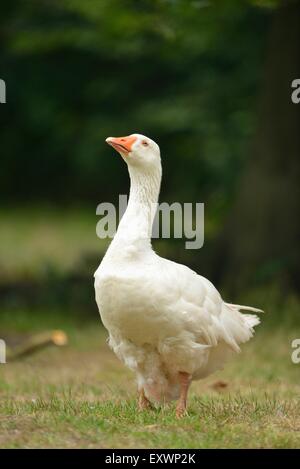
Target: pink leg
column 185, row 381
column 143, row 402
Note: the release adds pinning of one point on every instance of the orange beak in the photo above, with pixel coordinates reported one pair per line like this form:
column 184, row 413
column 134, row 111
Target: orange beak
column 122, row 144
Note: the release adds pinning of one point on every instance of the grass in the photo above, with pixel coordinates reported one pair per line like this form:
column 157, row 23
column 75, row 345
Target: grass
column 81, row 396
column 35, row 240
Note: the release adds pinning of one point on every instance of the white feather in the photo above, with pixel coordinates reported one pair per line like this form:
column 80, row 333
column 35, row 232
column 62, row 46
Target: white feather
column 162, row 317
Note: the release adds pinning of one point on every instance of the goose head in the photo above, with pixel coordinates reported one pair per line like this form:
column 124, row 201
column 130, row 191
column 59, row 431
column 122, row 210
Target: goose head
column 137, row 151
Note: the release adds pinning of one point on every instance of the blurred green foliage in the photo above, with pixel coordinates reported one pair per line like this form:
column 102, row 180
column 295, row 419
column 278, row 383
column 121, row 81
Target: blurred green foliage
column 182, row 72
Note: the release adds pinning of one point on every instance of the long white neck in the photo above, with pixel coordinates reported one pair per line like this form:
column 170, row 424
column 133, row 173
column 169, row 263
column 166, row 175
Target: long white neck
column 134, row 231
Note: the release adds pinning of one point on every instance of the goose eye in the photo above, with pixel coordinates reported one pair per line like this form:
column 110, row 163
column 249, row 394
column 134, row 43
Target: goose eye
column 145, row 143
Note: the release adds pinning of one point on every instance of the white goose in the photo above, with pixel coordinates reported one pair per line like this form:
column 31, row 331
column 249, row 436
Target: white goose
column 165, row 322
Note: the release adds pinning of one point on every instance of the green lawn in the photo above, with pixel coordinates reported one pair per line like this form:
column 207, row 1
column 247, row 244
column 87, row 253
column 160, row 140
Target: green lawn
column 34, row 240
column 81, row 396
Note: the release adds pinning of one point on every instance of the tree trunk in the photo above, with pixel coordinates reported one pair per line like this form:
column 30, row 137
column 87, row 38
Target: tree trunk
column 260, row 242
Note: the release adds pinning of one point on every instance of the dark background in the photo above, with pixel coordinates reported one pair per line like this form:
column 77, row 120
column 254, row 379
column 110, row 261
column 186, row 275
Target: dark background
column 209, row 81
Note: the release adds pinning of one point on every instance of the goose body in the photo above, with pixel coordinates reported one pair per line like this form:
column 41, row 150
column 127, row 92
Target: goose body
column 165, row 322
